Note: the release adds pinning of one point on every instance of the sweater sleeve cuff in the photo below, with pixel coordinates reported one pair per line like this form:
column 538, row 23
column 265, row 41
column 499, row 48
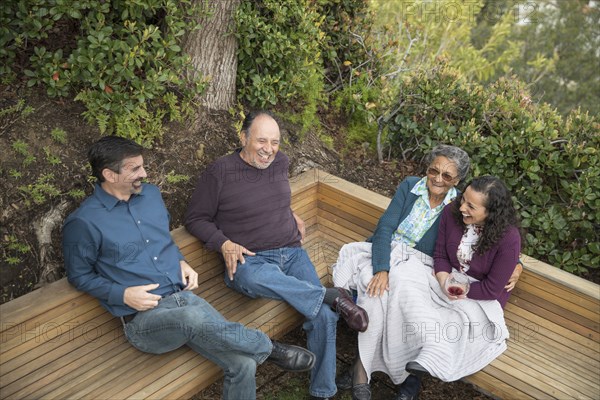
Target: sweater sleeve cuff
column 216, row 241
column 379, row 268
column 442, row 267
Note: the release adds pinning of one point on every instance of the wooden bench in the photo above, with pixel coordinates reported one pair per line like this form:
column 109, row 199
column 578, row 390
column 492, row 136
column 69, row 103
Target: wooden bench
column 59, row 343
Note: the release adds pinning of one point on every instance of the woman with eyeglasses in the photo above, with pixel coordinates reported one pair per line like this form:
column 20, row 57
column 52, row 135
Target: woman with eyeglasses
column 406, row 233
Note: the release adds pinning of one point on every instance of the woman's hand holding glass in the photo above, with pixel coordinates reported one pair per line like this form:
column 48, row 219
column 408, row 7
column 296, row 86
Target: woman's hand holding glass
column 456, row 286
column 379, row 284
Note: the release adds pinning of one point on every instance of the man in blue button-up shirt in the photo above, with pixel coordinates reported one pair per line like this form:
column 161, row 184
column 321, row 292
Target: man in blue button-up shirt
column 118, row 248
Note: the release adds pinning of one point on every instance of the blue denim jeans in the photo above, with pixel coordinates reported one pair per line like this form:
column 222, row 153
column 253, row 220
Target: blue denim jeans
column 288, row 274
column 186, row 319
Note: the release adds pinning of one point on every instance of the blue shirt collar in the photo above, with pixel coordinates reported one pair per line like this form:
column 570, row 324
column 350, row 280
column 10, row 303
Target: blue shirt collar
column 108, row 200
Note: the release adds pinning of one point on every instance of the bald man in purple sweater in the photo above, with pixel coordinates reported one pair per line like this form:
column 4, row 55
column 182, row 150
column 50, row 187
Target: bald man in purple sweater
column 241, row 208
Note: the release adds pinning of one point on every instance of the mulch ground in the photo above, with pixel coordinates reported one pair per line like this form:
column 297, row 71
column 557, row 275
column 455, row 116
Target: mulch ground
column 274, row 384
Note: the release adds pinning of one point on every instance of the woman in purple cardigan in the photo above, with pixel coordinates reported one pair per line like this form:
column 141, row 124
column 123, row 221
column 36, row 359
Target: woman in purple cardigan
column 479, row 235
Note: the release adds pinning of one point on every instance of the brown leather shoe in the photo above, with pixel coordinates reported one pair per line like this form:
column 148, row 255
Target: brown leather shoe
column 355, row 316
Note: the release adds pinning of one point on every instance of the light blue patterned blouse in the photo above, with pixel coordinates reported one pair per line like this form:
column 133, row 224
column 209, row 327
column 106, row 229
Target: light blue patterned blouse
column 422, row 216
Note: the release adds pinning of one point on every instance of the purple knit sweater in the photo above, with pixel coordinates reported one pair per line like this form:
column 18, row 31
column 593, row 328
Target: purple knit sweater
column 492, row 268
column 244, row 204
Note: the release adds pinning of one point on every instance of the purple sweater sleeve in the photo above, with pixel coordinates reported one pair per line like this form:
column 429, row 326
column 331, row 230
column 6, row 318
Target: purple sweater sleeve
column 491, row 285
column 492, row 268
column 201, row 212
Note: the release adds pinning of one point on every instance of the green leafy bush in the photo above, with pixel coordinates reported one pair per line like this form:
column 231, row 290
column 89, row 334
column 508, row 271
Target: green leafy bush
column 121, row 58
column 279, row 56
column 551, row 164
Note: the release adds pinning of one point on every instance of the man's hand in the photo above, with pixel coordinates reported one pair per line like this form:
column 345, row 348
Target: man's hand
column 379, row 284
column 138, row 298
column 190, row 277
column 301, row 227
column 514, row 278
column 232, row 253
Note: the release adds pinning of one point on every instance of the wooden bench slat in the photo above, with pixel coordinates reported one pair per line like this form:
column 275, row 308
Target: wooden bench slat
column 357, row 199
column 138, row 379
column 550, row 385
column 107, row 374
column 60, row 346
column 333, row 229
column 552, row 371
column 34, row 377
column 43, row 327
column 557, row 314
column 494, row 387
column 580, row 299
column 187, row 374
column 333, row 205
column 543, row 353
column 56, row 383
column 576, row 341
column 565, row 308
column 343, row 215
column 342, row 225
column 38, row 302
column 498, row 370
column 568, row 282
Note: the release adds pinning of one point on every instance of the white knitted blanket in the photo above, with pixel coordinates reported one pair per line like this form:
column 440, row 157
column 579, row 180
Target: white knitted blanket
column 415, row 321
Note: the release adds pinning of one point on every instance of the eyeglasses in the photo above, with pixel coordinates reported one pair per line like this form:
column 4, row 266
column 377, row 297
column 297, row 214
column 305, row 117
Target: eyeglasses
column 434, row 172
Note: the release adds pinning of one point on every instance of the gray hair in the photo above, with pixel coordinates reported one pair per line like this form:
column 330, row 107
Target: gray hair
column 455, row 154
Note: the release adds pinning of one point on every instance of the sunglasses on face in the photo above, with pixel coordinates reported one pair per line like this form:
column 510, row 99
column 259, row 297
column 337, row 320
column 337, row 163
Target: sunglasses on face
column 434, row 172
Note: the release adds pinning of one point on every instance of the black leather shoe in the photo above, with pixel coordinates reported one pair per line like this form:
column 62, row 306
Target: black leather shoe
column 404, row 396
column 409, row 389
column 416, row 369
column 344, row 380
column 362, row 391
column 291, row 358
column 355, row 316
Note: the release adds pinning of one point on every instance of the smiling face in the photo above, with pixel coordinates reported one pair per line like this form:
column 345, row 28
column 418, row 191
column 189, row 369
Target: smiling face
column 442, row 175
column 127, row 181
column 261, row 143
column 472, row 207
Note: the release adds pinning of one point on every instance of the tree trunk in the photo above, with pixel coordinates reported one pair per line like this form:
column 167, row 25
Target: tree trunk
column 213, row 50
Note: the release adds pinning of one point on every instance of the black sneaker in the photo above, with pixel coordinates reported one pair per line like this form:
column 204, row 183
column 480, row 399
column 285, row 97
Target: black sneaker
column 362, row 391
column 409, row 389
column 344, row 380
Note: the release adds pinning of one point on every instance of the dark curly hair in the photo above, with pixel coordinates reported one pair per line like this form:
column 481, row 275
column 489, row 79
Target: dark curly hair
column 500, row 209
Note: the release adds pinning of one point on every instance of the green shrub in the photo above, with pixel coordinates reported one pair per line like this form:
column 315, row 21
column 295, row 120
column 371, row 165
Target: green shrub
column 16, row 112
column 551, row 164
column 59, row 135
column 40, row 191
column 122, row 60
column 13, row 249
column 279, row 57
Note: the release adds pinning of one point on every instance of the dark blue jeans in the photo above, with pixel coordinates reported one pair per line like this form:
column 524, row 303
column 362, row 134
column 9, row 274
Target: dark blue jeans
column 288, row 274
column 186, row 319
